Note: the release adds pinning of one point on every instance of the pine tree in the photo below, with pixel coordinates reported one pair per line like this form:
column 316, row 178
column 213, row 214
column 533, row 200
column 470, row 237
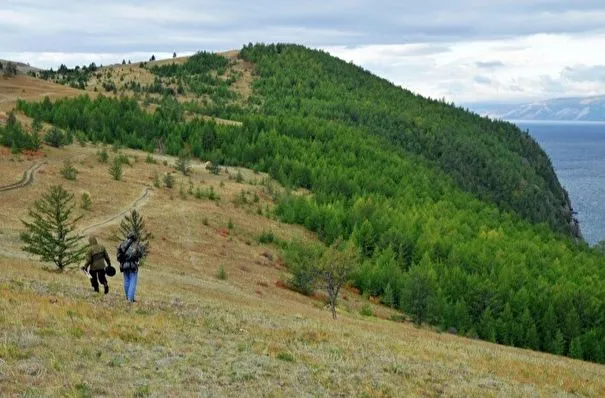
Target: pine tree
column 85, row 201
column 505, row 325
column 462, row 317
column 365, row 237
column 183, row 163
column 168, row 180
column 575, row 348
column 532, row 340
column 559, row 343
column 37, row 124
column 527, row 330
column 419, row 294
column 115, row 170
column 134, row 222
column 50, row 234
column 549, row 327
column 68, row 171
column 572, row 324
column 487, row 326
column 388, row 297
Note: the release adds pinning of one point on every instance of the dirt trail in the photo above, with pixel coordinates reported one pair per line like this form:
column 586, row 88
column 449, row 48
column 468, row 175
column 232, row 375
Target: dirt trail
column 28, row 178
column 138, row 203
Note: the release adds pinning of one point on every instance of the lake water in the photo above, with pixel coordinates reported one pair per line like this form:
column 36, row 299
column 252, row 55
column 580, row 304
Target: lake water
column 577, row 151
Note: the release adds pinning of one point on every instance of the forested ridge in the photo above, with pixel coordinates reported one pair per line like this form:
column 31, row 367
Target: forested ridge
column 460, row 220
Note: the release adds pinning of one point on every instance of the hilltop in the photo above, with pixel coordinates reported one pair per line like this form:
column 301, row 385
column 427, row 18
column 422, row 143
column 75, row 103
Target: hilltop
column 460, row 221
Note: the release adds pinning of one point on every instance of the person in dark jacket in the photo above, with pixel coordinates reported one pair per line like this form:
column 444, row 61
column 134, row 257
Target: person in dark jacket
column 96, row 258
column 129, row 254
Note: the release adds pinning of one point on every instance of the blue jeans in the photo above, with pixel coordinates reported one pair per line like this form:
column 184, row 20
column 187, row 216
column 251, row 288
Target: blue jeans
column 130, row 284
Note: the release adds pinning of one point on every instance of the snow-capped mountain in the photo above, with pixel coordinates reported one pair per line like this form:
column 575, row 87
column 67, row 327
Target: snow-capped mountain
column 578, row 109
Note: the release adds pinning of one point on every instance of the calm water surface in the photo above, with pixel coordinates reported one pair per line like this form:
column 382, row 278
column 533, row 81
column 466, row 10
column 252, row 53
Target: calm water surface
column 577, row 151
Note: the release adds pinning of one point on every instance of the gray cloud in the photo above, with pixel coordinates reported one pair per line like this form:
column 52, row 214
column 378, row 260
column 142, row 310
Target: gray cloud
column 482, row 80
column 434, row 47
column 489, row 64
column 583, row 73
column 114, row 26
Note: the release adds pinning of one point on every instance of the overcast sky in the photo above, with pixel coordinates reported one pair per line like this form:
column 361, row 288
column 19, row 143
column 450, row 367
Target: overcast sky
column 467, row 50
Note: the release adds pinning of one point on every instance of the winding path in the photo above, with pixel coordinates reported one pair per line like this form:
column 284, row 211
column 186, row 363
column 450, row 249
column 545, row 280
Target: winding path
column 28, row 178
column 140, row 201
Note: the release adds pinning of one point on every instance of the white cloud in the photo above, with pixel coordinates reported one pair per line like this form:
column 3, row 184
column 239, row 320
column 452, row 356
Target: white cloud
column 529, row 67
column 465, row 50
column 55, row 59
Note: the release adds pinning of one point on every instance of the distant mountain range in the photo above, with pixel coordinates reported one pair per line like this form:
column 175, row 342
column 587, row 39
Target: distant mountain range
column 569, row 109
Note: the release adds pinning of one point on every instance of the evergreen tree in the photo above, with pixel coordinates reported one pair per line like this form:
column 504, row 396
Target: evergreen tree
column 37, row 124
column 364, row 236
column 505, row 326
column 487, row 326
column 85, row 201
column 302, row 260
column 168, row 180
column 527, row 331
column 69, row 172
column 575, row 348
column 532, row 340
column 183, row 163
column 56, row 138
column 133, row 222
column 572, row 325
column 115, row 170
column 419, row 292
column 559, row 343
column 462, row 318
column 388, row 297
column 51, row 232
column 549, row 328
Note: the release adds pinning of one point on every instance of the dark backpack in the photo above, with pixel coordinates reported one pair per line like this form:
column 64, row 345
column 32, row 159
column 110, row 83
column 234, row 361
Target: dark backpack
column 122, row 254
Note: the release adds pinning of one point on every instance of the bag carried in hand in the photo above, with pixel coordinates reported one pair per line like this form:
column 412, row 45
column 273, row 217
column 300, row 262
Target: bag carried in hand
column 110, row 271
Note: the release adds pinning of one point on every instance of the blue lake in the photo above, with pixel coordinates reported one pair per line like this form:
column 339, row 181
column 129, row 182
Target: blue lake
column 577, row 152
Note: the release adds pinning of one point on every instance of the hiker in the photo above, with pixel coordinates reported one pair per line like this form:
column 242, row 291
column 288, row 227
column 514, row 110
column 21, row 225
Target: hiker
column 96, row 258
column 129, row 254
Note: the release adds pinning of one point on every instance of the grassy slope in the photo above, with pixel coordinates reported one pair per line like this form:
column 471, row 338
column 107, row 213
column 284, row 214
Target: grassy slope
column 192, row 334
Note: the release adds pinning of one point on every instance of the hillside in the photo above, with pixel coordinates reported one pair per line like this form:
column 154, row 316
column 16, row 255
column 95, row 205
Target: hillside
column 563, row 109
column 460, row 221
column 191, row 333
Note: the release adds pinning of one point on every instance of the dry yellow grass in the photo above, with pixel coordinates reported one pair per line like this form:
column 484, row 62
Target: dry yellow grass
column 29, row 88
column 120, row 75
column 32, row 89
column 192, row 334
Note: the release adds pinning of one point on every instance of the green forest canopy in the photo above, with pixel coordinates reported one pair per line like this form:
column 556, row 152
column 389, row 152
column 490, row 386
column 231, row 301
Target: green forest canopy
column 467, row 208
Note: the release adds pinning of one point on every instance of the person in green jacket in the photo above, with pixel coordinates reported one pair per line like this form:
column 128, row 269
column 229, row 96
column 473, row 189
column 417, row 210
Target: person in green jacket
column 96, row 257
